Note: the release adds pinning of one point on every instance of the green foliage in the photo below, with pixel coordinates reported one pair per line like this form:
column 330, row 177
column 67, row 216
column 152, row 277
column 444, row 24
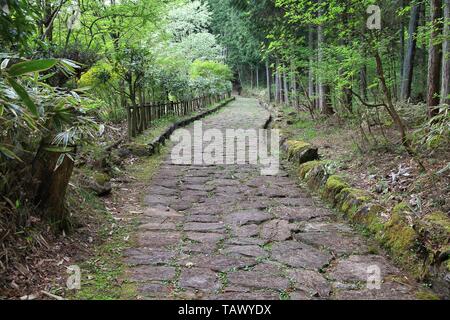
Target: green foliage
column 17, row 20
column 211, row 76
column 126, row 57
column 99, row 75
column 32, row 111
column 239, row 31
column 211, row 69
column 435, row 133
column 188, row 18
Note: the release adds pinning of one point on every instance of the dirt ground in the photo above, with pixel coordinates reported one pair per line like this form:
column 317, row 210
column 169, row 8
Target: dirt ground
column 382, row 168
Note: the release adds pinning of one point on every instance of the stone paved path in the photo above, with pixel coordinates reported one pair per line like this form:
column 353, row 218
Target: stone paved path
column 226, row 232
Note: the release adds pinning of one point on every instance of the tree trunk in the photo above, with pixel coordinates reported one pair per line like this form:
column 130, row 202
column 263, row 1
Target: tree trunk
column 286, row 86
column 347, row 95
column 324, row 105
column 294, row 96
column 277, row 83
column 363, row 82
column 268, row 80
column 240, row 78
column 434, row 60
column 281, row 81
column 311, row 86
column 445, row 83
column 390, row 108
column 321, row 93
column 47, row 22
column 402, row 40
column 317, row 100
column 280, row 85
column 423, row 58
column 257, row 77
column 52, row 185
column 408, row 62
column 388, row 98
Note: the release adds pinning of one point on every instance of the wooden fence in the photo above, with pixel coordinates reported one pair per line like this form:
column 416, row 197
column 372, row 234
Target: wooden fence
column 141, row 117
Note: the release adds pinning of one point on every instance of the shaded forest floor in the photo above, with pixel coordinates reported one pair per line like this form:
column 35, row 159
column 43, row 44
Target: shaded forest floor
column 100, row 231
column 380, row 166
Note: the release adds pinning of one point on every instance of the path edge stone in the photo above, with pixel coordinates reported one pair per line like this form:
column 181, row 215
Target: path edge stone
column 409, row 240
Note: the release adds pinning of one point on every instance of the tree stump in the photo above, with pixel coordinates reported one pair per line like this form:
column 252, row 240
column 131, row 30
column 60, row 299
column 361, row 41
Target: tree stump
column 300, row 152
column 52, row 175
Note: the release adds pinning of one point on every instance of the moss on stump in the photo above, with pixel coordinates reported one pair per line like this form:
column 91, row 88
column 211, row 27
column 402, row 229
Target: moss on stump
column 301, row 152
column 306, row 167
column 351, row 200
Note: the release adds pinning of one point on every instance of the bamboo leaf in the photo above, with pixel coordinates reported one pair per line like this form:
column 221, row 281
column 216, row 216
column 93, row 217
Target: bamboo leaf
column 47, row 76
column 58, row 149
column 70, row 63
column 22, row 93
column 4, row 64
column 31, row 66
column 8, row 153
column 59, row 162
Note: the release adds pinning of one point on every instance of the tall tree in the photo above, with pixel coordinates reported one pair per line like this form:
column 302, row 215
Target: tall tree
column 294, row 97
column 268, row 80
column 311, row 84
column 408, row 62
column 402, row 39
column 434, row 58
column 324, row 104
column 285, row 85
column 445, row 85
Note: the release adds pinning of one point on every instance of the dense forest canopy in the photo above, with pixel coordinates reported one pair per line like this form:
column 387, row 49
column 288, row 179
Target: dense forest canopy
column 342, row 57
column 337, row 35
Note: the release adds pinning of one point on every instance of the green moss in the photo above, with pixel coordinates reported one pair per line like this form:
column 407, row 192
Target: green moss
column 336, row 183
column 102, row 272
column 401, row 208
column 400, row 237
column 370, row 219
column 426, row 295
column 439, row 219
column 307, row 167
column 147, row 167
column 333, row 186
column 351, row 200
column 401, row 240
column 295, row 147
column 101, row 178
column 434, row 230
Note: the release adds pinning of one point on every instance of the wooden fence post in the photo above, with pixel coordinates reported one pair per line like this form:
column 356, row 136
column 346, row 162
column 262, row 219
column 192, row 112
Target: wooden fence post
column 140, row 117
